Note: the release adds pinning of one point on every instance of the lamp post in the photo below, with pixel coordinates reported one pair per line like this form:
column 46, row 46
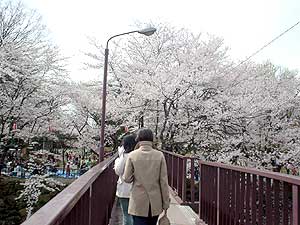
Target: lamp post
column 148, row 31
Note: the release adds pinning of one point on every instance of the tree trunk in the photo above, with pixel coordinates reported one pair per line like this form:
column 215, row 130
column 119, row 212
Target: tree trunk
column 63, row 159
column 141, row 121
column 157, row 119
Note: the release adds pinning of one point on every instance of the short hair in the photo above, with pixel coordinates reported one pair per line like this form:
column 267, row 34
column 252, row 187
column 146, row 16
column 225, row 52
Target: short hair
column 129, row 143
column 144, row 134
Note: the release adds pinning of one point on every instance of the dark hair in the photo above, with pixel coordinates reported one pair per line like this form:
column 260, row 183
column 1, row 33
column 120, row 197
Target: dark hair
column 129, row 142
column 144, row 134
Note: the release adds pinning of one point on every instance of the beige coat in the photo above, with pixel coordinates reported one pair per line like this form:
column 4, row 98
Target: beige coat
column 146, row 168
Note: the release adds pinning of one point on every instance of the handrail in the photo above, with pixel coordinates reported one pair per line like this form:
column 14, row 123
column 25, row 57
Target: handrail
column 228, row 194
column 175, row 154
column 268, row 174
column 58, row 208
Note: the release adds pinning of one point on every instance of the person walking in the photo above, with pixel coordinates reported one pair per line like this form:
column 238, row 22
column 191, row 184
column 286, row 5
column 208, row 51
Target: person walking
column 123, row 189
column 68, row 170
column 146, row 168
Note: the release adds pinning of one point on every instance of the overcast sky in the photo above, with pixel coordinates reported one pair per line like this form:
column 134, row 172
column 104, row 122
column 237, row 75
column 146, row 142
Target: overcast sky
column 245, row 25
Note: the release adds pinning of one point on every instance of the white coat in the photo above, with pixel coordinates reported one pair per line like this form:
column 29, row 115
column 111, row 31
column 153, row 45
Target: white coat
column 123, row 189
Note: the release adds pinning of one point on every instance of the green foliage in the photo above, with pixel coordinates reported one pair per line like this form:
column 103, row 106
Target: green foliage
column 13, row 212
column 9, row 207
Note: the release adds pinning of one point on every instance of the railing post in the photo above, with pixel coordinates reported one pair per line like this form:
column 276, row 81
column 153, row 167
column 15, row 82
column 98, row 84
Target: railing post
column 90, row 205
column 184, row 180
column 295, row 205
column 200, row 184
column 167, row 156
column 218, row 195
column 178, row 175
column 172, row 170
column 192, row 186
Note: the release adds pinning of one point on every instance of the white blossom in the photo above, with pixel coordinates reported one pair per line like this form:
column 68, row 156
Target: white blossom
column 32, row 190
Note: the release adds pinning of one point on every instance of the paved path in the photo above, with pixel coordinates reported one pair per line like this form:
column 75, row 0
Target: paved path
column 182, row 215
column 177, row 214
column 116, row 214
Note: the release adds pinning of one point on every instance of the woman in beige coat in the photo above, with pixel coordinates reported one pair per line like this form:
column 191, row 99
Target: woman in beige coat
column 146, row 168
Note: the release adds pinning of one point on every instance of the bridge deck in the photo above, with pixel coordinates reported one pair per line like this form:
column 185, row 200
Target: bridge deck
column 116, row 214
column 178, row 214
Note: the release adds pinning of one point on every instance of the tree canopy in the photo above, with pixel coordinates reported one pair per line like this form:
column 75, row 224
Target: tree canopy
column 187, row 89
column 182, row 85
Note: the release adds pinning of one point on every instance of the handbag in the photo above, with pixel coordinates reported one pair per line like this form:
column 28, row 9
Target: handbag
column 164, row 220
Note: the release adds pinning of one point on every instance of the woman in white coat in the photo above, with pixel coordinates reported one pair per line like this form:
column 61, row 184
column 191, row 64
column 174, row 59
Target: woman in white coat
column 123, row 189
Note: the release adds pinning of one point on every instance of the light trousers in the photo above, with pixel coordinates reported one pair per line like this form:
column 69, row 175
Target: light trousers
column 127, row 219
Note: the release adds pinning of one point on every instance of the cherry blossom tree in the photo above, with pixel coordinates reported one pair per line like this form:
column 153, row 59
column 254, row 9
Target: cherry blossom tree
column 196, row 99
column 85, row 113
column 33, row 187
column 32, row 77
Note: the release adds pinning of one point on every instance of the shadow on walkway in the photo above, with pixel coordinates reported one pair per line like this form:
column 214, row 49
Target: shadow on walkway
column 178, row 214
column 116, row 214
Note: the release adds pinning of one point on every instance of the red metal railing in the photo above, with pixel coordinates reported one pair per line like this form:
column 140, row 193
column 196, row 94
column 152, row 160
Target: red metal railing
column 182, row 177
column 87, row 201
column 231, row 195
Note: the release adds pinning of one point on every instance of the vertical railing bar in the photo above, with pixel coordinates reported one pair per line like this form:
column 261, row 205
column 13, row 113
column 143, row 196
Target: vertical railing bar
column 168, row 165
column 77, row 212
column 243, row 208
column 238, row 196
column 178, row 173
column 253, row 201
column 218, row 195
column 225, row 212
column 81, row 204
column 203, row 196
column 260, row 196
column 228, row 222
column 213, row 183
column 268, row 201
column 211, row 194
column 229, row 200
column 110, row 181
column 295, row 190
column 285, row 214
column 248, row 198
column 230, row 188
column 192, row 181
column 175, row 173
column 221, row 196
column 276, row 203
column 67, row 220
column 86, row 205
column 71, row 215
column 205, row 192
column 234, row 179
column 81, row 217
column 90, row 205
column 208, row 193
column 172, row 166
column 179, row 178
column 184, row 181
column 200, row 189
column 214, row 173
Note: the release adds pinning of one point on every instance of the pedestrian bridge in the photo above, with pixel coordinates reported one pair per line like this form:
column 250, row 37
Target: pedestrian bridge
column 219, row 194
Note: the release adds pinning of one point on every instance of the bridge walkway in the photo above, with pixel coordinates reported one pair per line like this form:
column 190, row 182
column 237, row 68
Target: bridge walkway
column 177, row 214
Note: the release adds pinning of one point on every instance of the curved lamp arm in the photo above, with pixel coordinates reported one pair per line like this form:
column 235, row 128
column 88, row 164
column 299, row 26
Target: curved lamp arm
column 119, row 35
column 148, row 31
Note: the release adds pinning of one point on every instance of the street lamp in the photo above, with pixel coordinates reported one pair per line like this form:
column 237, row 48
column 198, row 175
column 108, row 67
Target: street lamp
column 148, row 31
